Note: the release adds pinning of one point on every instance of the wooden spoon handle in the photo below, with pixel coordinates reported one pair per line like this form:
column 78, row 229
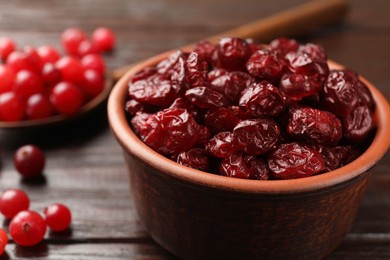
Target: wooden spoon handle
column 291, row 22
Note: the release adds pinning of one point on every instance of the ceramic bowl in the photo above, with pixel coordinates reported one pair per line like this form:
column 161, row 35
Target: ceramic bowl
column 197, row 215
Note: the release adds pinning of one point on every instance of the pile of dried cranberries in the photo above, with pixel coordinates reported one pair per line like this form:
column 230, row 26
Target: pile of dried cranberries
column 252, row 111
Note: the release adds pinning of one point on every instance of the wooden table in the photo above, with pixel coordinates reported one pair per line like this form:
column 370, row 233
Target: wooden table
column 85, row 168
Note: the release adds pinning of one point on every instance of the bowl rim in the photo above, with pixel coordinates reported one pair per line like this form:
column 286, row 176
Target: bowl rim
column 134, row 146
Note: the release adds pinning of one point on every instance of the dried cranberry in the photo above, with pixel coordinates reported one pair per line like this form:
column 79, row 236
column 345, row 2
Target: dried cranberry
column 358, row 124
column 221, row 145
column 195, row 158
column 335, row 157
column 216, row 73
column 183, row 103
column 154, row 90
column 263, row 99
column 243, row 166
column 205, row 50
column 294, row 160
column 170, row 131
column 196, row 70
column 220, row 119
column 316, row 52
column 241, row 112
column 297, row 86
column 232, row 84
column 143, row 74
column 206, row 98
column 339, row 94
column 165, row 67
column 255, row 136
column 232, row 54
column 266, row 65
column 203, row 135
column 284, row 46
column 314, row 126
column 139, row 120
column 132, row 106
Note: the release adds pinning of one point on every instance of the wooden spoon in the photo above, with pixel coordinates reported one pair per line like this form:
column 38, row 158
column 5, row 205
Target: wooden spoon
column 292, row 22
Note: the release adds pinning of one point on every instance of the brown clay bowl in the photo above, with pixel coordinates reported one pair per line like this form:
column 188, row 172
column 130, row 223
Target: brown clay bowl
column 197, row 215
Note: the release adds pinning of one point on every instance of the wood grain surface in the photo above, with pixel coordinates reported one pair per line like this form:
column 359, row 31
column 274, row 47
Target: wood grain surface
column 85, row 167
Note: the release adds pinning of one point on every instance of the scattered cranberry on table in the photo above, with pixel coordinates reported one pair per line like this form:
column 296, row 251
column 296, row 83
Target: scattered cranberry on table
column 28, row 72
column 3, row 240
column 252, row 111
column 29, row 161
column 27, row 228
column 58, row 217
column 12, row 202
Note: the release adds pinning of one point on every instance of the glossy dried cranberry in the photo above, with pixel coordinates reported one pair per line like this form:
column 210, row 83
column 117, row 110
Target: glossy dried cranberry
column 220, row 119
column 170, row 131
column 232, row 84
column 132, row 106
column 220, row 145
column 216, row 73
column 335, row 157
column 143, row 74
column 316, row 52
column 139, row 120
column 205, row 50
column 165, row 67
column 266, row 65
column 255, row 136
column 195, row 158
column 284, row 46
column 294, row 160
column 339, row 94
column 242, row 166
column 203, row 135
column 196, row 70
column 297, row 86
column 154, row 90
column 263, row 99
column 206, row 98
column 302, row 63
column 358, row 124
column 314, row 126
column 184, row 104
column 232, row 54
column 241, row 112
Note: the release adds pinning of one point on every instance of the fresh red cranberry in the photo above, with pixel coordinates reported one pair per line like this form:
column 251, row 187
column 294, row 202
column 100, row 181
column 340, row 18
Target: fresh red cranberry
column 71, row 39
column 38, row 107
column 3, row 240
column 94, row 62
column 27, row 228
column 283, row 46
column 220, row 145
column 70, row 68
column 242, row 166
column 29, row 161
column 170, row 131
column 18, row 60
column 7, row 45
column 87, row 47
column 12, row 202
column 294, row 160
column 314, row 126
column 58, row 217
column 358, row 124
column 232, row 54
column 66, row 98
column 28, row 83
column 92, row 84
column 255, row 136
column 266, row 65
column 7, row 78
column 220, row 119
column 48, row 54
column 195, row 158
column 204, row 97
column 12, row 107
column 50, row 75
column 33, row 58
column 263, row 99
column 104, row 39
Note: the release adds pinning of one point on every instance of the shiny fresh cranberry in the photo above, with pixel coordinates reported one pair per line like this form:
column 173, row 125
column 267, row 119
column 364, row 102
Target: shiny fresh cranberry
column 92, row 83
column 294, row 160
column 28, row 83
column 104, row 39
column 195, row 158
column 204, row 97
column 154, row 90
column 94, row 62
column 86, row 47
column 33, row 58
column 50, row 75
column 263, row 99
column 3, row 240
column 255, row 136
column 314, row 126
column 66, row 98
column 27, row 228
column 48, row 54
column 339, row 94
column 29, row 161
column 242, row 166
column 12, row 107
column 7, row 78
column 220, row 119
column 220, row 145
column 58, row 217
column 170, row 131
column 7, row 45
column 232, row 54
column 358, row 124
column 18, row 60
column 232, row 84
column 12, row 202
column 38, row 107
column 70, row 68
column 265, row 65
column 71, row 39
column 284, row 46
